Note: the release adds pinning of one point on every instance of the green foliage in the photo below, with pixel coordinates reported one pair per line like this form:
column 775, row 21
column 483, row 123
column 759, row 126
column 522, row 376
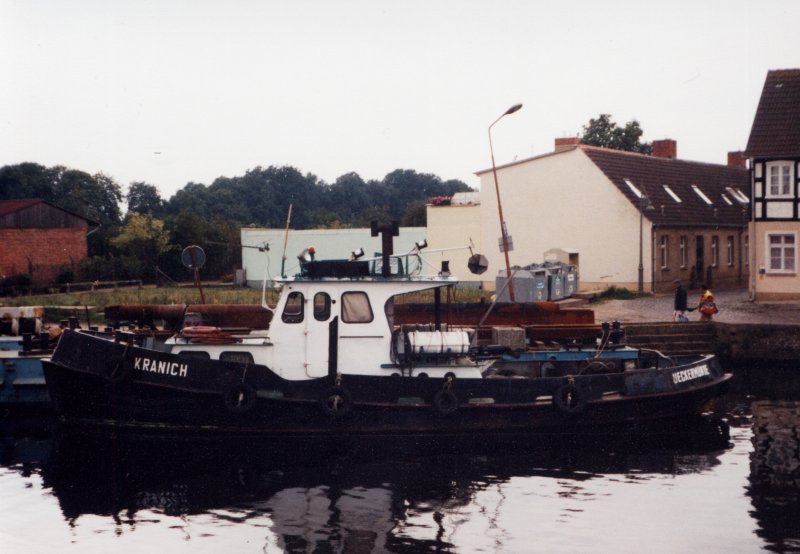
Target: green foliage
column 143, row 237
column 18, row 283
column 604, row 132
column 65, row 275
column 143, row 198
column 112, row 268
column 618, row 293
column 155, row 231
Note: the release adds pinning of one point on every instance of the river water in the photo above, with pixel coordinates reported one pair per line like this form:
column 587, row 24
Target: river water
column 727, row 483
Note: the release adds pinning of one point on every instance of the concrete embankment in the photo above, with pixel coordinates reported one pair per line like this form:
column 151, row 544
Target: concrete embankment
column 741, row 333
column 739, row 343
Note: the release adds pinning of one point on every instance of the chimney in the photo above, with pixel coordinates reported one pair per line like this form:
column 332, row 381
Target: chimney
column 666, row 148
column 737, row 159
column 567, row 143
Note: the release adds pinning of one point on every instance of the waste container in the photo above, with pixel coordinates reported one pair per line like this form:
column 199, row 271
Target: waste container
column 555, row 280
column 530, row 284
column 570, row 280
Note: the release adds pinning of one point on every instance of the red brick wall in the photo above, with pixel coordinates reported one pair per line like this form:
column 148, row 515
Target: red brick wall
column 48, row 250
column 723, row 275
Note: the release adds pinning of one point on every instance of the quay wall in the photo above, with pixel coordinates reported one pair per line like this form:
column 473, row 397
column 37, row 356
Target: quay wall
column 758, row 342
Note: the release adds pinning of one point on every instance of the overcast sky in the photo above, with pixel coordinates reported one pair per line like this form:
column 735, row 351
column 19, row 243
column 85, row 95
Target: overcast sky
column 170, row 92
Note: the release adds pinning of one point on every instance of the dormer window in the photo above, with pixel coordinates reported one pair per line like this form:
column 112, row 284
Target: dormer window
column 702, row 195
column 674, row 196
column 738, row 195
column 633, row 188
column 779, row 179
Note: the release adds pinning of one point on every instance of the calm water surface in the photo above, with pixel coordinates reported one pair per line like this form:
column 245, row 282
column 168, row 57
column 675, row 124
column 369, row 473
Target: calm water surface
column 673, row 488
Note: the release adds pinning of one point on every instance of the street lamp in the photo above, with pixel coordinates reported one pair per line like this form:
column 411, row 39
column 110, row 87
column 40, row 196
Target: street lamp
column 503, row 227
column 644, row 204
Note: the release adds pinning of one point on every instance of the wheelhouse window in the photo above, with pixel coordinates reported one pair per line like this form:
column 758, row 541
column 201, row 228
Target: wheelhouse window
column 779, row 179
column 729, row 250
column 356, row 308
column 714, row 251
column 322, row 306
column 782, row 249
column 293, row 310
column 664, row 252
column 684, row 255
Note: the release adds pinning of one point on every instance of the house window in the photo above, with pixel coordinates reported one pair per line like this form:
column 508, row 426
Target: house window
column 779, row 179
column 729, row 250
column 684, row 257
column 782, row 249
column 714, row 251
column 356, row 308
column 664, row 251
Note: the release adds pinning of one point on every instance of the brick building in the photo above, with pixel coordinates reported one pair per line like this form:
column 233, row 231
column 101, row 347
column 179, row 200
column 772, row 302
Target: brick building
column 41, row 239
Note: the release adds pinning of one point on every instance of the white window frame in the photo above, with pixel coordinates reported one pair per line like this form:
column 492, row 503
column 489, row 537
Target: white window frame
column 683, row 245
column 664, row 251
column 714, row 251
column 729, row 250
column 780, row 184
column 768, row 253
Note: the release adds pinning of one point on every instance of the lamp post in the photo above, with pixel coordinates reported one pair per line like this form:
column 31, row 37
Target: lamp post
column 644, row 204
column 503, row 227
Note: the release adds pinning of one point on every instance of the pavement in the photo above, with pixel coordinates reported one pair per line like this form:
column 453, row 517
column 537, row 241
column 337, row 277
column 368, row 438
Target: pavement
column 734, row 306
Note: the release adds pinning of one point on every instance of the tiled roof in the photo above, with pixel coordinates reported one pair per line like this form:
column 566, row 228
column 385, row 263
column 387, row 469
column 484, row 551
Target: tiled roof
column 776, row 127
column 649, row 174
column 11, row 206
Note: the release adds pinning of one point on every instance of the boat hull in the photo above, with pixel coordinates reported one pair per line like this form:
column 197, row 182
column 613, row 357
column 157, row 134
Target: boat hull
column 95, row 381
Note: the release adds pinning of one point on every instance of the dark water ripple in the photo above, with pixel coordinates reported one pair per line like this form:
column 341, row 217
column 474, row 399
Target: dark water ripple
column 729, row 482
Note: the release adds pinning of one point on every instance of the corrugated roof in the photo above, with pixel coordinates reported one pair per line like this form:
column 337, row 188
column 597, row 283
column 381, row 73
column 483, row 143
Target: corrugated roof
column 11, row 206
column 663, row 180
column 776, row 126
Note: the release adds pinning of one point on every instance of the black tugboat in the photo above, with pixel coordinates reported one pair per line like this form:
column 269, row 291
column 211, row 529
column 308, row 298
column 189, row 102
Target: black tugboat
column 334, row 361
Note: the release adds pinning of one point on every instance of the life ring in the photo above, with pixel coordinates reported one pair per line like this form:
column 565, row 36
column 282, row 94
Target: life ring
column 336, row 401
column 569, row 399
column 200, row 330
column 445, row 402
column 239, row 398
column 118, row 369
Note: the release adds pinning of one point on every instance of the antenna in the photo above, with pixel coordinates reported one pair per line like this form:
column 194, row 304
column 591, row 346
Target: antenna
column 286, row 240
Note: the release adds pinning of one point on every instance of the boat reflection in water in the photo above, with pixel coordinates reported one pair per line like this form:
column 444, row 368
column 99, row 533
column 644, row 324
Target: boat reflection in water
column 408, row 493
column 775, row 472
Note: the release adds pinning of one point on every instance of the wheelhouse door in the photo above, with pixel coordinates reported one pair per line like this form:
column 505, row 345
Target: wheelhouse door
column 318, row 330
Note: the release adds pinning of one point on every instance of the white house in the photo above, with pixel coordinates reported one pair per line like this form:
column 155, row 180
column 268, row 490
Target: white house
column 623, row 217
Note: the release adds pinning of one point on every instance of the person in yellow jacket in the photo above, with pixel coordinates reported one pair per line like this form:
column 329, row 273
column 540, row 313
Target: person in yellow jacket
column 707, row 307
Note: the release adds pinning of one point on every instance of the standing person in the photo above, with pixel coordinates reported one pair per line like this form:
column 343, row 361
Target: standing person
column 680, row 307
column 707, row 307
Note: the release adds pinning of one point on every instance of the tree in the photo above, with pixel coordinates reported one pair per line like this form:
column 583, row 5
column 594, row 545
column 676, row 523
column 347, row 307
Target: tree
column 27, row 180
column 604, row 132
column 143, row 198
column 144, row 238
